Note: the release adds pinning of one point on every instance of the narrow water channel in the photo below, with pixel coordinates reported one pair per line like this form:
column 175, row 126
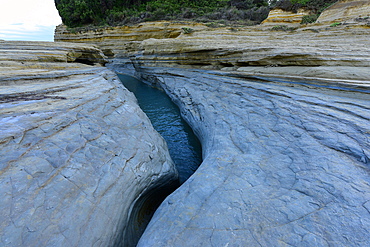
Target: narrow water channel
column 183, row 145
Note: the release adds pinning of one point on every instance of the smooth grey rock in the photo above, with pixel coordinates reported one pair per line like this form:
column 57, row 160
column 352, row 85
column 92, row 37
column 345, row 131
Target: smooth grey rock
column 284, row 164
column 76, row 151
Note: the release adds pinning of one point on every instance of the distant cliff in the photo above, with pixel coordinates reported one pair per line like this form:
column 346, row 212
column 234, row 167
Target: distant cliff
column 347, row 11
column 265, row 49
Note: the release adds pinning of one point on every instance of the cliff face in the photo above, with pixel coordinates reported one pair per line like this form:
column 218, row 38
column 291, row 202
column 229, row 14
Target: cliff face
column 310, row 51
column 124, row 41
column 76, row 152
column 347, row 11
column 281, row 17
column 302, row 53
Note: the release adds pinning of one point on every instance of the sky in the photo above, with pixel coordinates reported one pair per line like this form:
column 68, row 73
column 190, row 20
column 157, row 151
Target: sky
column 32, row 20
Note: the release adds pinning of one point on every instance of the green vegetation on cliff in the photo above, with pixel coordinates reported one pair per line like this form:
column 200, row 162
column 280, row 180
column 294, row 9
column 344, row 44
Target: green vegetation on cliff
column 315, row 6
column 77, row 13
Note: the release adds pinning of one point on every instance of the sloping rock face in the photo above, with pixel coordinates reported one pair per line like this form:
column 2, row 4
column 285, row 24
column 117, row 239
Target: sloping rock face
column 78, row 158
column 281, row 17
column 346, row 11
column 285, row 164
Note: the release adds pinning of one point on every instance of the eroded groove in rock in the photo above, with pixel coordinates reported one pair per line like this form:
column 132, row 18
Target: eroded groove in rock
column 142, row 211
column 183, row 145
column 282, row 164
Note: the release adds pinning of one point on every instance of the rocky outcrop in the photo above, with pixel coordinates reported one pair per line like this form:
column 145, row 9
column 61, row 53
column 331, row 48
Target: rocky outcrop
column 313, row 50
column 79, row 161
column 34, row 55
column 286, row 163
column 283, row 119
column 303, row 53
column 347, row 11
column 123, row 41
column 281, row 17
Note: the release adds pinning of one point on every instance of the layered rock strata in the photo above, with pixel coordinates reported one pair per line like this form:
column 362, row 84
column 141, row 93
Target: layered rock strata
column 347, row 11
column 79, row 160
column 123, row 41
column 340, row 52
column 285, row 163
column 281, row 17
column 330, row 53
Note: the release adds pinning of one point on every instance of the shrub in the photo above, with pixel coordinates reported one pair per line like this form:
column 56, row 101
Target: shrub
column 187, row 30
column 309, row 19
column 282, row 28
column 335, row 24
column 315, row 6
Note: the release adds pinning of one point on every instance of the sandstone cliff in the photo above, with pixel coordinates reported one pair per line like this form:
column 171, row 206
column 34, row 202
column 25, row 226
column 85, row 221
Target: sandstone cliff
column 125, row 40
column 77, row 155
column 315, row 51
column 281, row 17
column 347, row 11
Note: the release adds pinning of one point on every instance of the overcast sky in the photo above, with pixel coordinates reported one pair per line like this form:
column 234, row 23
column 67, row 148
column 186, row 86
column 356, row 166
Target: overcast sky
column 28, row 20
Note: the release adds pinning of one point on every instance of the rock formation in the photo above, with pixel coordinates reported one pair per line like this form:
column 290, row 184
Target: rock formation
column 125, row 40
column 78, row 158
column 281, row 17
column 282, row 116
column 283, row 119
column 302, row 53
column 285, row 163
column 347, row 11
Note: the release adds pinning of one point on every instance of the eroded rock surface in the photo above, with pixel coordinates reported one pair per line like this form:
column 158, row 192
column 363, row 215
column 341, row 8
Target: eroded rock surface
column 122, row 41
column 76, row 151
column 285, row 164
column 347, row 11
column 333, row 54
column 281, row 17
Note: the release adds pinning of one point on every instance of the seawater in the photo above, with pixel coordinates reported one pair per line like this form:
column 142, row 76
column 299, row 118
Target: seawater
column 184, row 147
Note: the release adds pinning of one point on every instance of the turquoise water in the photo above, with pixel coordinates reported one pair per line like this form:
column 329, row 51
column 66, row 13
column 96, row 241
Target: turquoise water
column 183, row 145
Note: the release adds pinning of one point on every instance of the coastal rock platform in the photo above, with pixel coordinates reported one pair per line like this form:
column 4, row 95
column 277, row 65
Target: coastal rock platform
column 286, row 163
column 283, row 116
column 77, row 154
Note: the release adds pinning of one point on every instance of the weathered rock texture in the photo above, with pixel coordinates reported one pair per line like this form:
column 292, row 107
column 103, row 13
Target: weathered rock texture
column 284, row 164
column 336, row 53
column 76, row 152
column 281, row 17
column 125, row 40
column 346, row 11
